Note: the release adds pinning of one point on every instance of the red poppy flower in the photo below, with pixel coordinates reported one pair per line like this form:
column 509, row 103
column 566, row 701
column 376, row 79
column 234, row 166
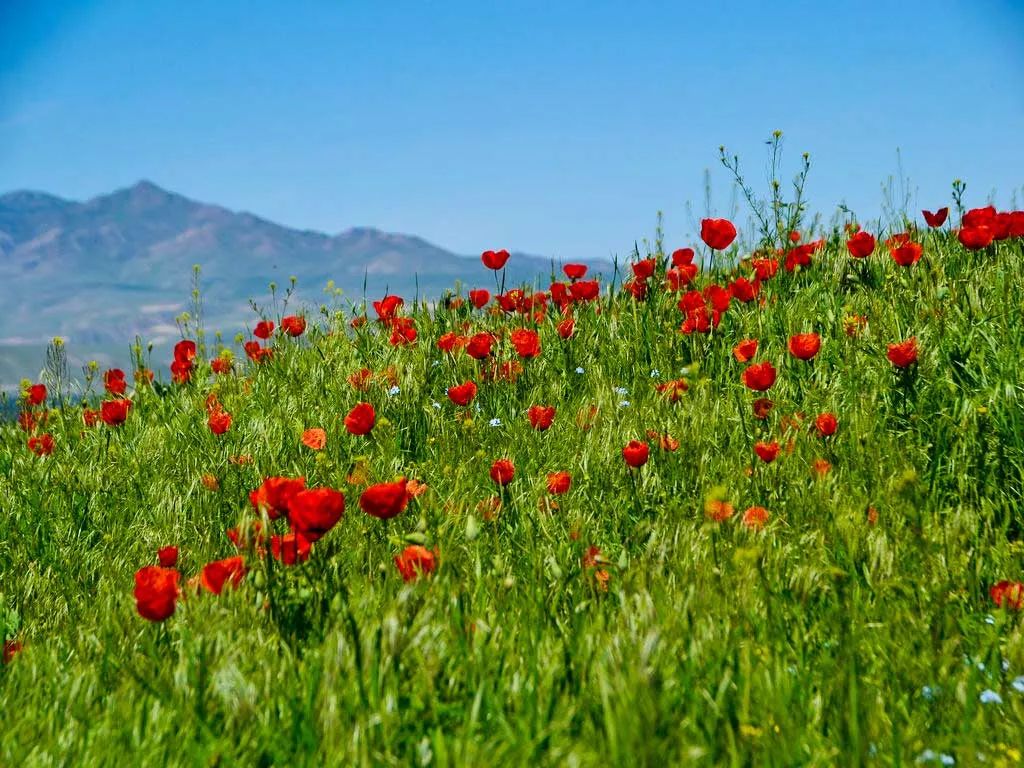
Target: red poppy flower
column 755, row 518
column 360, row 419
column 114, row 382
column 219, row 421
column 221, row 573
column 826, row 424
column 403, row 331
column 361, row 379
column 636, row 453
column 315, row 511
column 717, row 233
column 767, row 452
column 90, row 417
column 167, row 557
column 494, row 259
column 975, row 238
column 744, row 290
column 42, row 445
column 220, row 365
column 185, row 351
column 156, row 592
column 979, row 217
column 275, row 494
column 387, row 308
column 446, row 342
column 907, row 254
column 575, row 271
column 502, row 471
column 861, row 245
column 479, row 346
column 903, row 354
column 415, row 561
column 936, row 219
column 765, row 269
column 585, row 290
column 745, row 350
column 114, row 412
column 762, row 407
column 1008, row 594
column 678, row 278
column 479, row 297
column 719, row 297
column 36, row 395
column 462, row 394
column 256, row 353
column 804, row 345
column 759, row 376
column 291, row 548
column 566, row 328
column 682, row 256
column 314, row 438
column 11, row 649
column 643, row 269
column 526, row 342
column 385, row 500
column 264, row 329
column 293, row 325
column 673, row 389
column 541, row 416
column 559, row 483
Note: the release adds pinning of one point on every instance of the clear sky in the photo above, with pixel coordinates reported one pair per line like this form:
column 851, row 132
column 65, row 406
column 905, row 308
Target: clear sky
column 558, row 128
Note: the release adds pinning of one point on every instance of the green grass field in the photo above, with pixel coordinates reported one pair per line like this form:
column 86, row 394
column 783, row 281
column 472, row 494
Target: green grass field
column 854, row 625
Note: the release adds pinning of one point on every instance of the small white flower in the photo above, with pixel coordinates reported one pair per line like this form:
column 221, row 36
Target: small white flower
column 946, row 759
column 655, row 373
column 621, row 391
column 435, row 364
column 436, row 406
column 990, row 619
column 624, row 404
column 988, row 696
column 495, row 422
column 1018, row 684
column 928, row 692
column 394, row 390
column 579, row 369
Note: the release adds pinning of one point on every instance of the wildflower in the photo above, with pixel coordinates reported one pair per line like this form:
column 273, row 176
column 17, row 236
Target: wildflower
column 718, row 510
column 264, row 329
column 575, row 271
column 114, row 412
column 804, row 346
column 975, row 238
column 745, row 350
column 494, row 259
column 462, row 394
column 479, row 297
column 624, row 404
column 502, row 471
column 826, row 424
column 579, row 370
column 415, row 561
column 767, row 452
column 167, row 557
column 762, row 407
column 1008, row 594
column 1018, row 684
column 394, row 390
column 274, row 496
column 861, row 245
column 293, row 325
column 936, row 219
column 291, row 548
column 495, row 422
column 755, row 518
column 621, row 391
column 41, row 445
column 566, row 328
column 821, row 467
column 313, row 512
column 526, row 342
column 360, row 419
column 636, row 453
column 559, row 483
column 314, row 438
column 114, row 382
column 541, row 416
column 717, row 233
column 903, row 354
column 219, row 421
column 759, row 376
column 156, row 592
column 655, row 373
column 11, row 649
column 907, row 254
column 988, row 696
column 435, row 405
column 36, row 395
column 220, row 365
column 479, row 346
column 221, row 573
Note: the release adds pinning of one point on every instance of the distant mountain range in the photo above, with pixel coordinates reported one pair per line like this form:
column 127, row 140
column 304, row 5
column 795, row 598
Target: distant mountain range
column 100, row 272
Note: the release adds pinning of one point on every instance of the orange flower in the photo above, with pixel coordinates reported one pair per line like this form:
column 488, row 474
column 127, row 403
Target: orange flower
column 718, row 510
column 210, row 482
column 821, row 467
column 415, row 488
column 755, row 518
column 314, row 438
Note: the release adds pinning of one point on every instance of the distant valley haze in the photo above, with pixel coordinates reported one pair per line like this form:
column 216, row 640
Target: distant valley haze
column 100, row 273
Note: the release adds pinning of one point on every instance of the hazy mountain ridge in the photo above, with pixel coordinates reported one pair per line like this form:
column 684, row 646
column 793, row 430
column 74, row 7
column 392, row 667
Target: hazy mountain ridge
column 102, row 271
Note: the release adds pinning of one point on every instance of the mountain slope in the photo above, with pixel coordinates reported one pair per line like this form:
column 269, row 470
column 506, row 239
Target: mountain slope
column 102, row 271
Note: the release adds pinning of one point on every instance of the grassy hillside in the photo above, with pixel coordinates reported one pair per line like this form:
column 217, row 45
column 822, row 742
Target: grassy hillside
column 835, row 606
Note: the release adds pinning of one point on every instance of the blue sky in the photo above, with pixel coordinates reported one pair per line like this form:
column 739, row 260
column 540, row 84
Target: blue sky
column 554, row 128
